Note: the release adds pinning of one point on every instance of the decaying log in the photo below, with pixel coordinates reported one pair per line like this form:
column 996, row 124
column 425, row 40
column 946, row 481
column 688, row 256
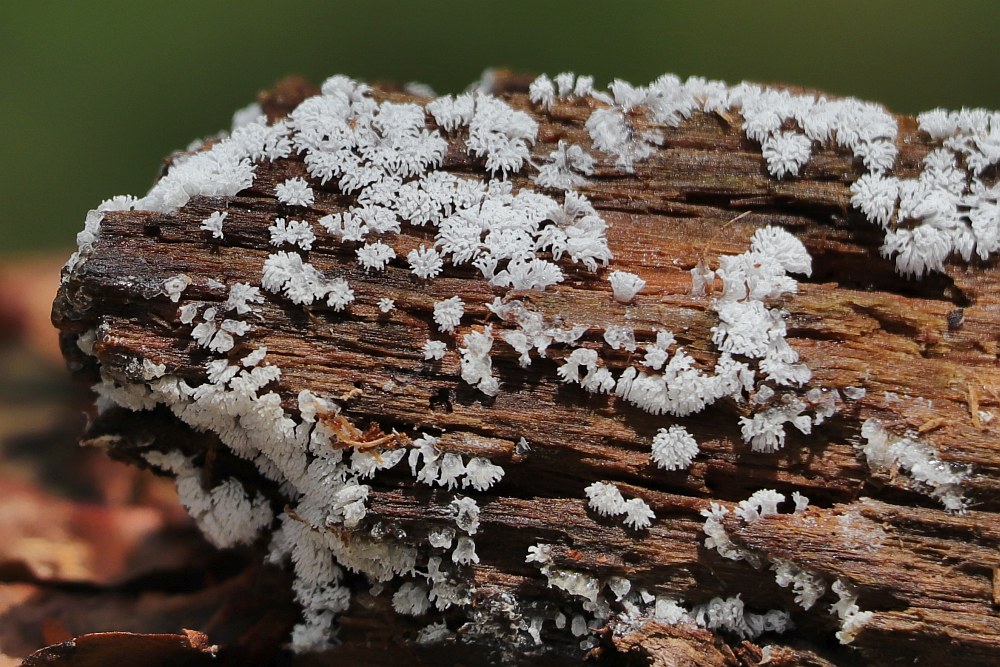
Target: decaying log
column 926, row 352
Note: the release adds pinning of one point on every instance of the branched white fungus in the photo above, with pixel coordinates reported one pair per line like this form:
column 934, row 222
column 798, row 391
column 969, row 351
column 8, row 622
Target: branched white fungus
column 637, row 514
column 375, row 256
column 674, row 448
column 620, row 337
column 241, row 296
column 151, row 371
column 425, row 262
column 808, row 587
column 801, row 502
column 434, row 350
column 542, row 92
column 852, row 619
column 213, row 223
column 294, row 192
column 728, row 614
column 466, row 514
column 302, row 283
column 566, row 169
column 411, row 600
column 717, row 538
column 760, row 504
column 539, row 553
column 786, row 152
column 477, row 366
column 293, row 232
column 448, row 313
column 625, row 285
column 225, row 514
column 480, row 474
column 465, row 552
column 605, row 499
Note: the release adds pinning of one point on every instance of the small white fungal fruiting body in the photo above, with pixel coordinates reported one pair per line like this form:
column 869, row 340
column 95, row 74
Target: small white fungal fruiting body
column 293, row 232
column 607, row 500
column 477, row 365
column 567, row 168
column 760, row 504
column 480, row 474
column 241, row 296
column 448, row 313
column 213, row 223
column 174, row 286
column 465, row 552
column 375, row 256
column 852, row 619
column 425, row 262
column 919, row 461
column 411, row 600
column 466, row 512
column 302, row 283
column 625, row 285
column 638, row 515
column 295, row 192
column 674, row 448
column 542, row 92
column 434, row 350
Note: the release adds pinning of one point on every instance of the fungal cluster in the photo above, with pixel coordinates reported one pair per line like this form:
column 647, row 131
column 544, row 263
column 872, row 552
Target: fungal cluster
column 386, row 159
column 951, row 207
column 807, row 586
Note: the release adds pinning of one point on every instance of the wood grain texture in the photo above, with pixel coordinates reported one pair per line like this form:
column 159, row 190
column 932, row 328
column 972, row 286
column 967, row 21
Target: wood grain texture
column 929, row 577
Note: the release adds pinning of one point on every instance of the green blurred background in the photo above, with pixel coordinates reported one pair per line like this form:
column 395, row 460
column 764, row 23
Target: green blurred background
column 96, row 93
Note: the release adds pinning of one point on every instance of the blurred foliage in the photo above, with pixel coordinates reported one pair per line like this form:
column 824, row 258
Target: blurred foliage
column 95, row 94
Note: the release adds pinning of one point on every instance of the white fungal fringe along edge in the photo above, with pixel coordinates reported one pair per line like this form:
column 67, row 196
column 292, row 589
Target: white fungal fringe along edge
column 638, row 605
column 808, row 587
column 386, row 156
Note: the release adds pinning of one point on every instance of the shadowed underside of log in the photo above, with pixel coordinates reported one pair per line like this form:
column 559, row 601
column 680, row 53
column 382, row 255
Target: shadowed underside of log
column 925, row 351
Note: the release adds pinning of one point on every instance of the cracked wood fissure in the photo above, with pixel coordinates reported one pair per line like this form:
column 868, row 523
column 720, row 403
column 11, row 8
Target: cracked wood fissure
column 928, row 576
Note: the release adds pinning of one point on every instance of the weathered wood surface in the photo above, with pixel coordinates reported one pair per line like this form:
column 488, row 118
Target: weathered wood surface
column 930, row 578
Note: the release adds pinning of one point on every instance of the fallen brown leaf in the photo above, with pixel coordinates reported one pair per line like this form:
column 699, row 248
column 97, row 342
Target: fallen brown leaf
column 124, row 649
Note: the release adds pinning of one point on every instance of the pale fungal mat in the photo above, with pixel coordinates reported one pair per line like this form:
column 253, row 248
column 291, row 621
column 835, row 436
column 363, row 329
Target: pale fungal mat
column 385, row 158
column 918, row 460
column 226, row 514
